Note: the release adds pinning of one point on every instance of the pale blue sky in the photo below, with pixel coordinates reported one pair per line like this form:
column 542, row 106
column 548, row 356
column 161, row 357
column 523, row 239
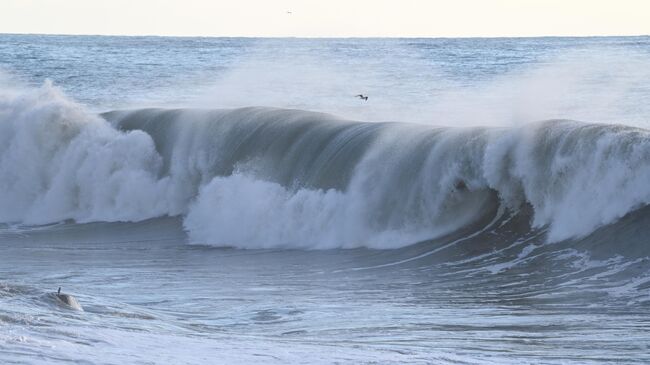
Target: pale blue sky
column 332, row 18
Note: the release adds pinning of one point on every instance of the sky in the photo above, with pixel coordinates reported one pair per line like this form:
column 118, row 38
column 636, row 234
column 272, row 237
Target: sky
column 328, row 18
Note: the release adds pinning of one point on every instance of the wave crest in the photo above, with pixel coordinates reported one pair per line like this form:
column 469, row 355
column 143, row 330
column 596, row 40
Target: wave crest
column 263, row 177
column 60, row 162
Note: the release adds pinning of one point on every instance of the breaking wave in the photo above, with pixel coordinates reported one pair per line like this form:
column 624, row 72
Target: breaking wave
column 263, row 177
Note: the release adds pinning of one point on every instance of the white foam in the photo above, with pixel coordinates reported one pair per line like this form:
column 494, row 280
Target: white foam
column 60, row 162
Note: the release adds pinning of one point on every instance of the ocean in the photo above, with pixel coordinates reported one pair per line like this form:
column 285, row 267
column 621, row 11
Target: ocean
column 233, row 200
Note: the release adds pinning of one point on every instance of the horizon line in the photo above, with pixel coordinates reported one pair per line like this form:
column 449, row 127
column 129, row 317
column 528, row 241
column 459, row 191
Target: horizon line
column 330, row 37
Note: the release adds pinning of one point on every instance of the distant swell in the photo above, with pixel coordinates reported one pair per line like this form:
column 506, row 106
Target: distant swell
column 263, row 177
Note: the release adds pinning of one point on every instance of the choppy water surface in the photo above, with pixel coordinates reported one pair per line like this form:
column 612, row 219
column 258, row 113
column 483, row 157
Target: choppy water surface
column 192, row 232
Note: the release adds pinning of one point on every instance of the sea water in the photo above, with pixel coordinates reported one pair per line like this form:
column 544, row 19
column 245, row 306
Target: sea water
column 229, row 200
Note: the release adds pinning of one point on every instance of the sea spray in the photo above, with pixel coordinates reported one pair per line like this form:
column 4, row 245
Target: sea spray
column 266, row 177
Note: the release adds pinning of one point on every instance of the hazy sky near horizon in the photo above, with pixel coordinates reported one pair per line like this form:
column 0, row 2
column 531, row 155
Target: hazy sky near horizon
column 332, row 18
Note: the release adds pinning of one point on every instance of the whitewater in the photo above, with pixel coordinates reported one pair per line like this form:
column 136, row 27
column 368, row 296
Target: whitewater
column 229, row 200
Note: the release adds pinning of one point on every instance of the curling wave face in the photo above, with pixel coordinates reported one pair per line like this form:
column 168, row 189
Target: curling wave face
column 263, row 177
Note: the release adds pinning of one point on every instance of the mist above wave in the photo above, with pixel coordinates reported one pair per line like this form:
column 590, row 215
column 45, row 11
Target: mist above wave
column 459, row 83
column 264, row 177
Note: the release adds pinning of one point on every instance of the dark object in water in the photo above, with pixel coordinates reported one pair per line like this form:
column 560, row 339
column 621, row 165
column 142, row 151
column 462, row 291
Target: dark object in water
column 69, row 300
column 460, row 185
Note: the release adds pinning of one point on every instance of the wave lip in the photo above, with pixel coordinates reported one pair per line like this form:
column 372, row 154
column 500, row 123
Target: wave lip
column 265, row 177
column 412, row 180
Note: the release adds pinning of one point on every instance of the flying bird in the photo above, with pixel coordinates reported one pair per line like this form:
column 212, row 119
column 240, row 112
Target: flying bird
column 361, row 96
